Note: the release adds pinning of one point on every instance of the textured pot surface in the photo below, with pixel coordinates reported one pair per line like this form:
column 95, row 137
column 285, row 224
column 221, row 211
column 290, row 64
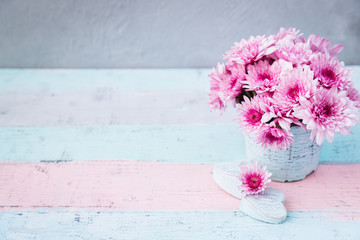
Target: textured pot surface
column 292, row 164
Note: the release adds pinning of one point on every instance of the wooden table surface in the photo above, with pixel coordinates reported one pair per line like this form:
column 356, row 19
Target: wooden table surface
column 128, row 154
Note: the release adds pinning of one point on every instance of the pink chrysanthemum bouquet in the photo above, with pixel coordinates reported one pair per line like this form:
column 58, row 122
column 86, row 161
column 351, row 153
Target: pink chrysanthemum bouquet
column 284, row 80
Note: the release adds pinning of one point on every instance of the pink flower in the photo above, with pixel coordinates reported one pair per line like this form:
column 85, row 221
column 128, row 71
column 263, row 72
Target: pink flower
column 263, row 77
column 215, row 102
column 225, row 84
column 249, row 51
column 330, row 72
column 319, row 44
column 329, row 111
column 259, row 110
column 296, row 53
column 354, row 95
column 237, row 75
column 251, row 112
column 295, row 83
column 275, row 116
column 274, row 138
column 290, row 34
column 254, row 179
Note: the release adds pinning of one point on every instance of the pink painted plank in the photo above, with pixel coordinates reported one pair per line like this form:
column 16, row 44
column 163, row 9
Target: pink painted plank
column 111, row 184
column 133, row 185
column 330, row 186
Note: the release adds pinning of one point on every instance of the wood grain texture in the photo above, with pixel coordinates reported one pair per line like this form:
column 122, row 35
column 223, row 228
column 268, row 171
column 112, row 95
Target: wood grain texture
column 57, row 116
column 103, row 97
column 133, row 185
column 91, row 80
column 108, row 107
column 111, row 184
column 78, row 224
column 150, row 99
column 171, row 143
column 168, row 143
column 317, row 188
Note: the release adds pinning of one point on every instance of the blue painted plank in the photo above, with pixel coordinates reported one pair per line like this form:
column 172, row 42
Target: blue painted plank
column 83, row 80
column 82, row 224
column 167, row 143
column 171, row 143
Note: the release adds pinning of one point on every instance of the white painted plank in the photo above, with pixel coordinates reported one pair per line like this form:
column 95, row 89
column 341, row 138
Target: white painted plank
column 80, row 224
column 168, row 143
column 108, row 107
column 103, row 97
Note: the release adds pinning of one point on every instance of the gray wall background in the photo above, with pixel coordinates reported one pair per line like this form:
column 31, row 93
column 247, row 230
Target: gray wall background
column 161, row 33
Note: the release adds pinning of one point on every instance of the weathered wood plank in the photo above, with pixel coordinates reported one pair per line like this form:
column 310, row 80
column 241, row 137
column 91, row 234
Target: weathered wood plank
column 94, row 80
column 79, row 224
column 108, row 107
column 89, row 80
column 103, row 97
column 173, row 143
column 88, row 97
column 168, row 143
column 133, row 185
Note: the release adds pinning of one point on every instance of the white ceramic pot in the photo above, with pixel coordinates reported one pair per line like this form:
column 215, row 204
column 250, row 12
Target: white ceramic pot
column 294, row 164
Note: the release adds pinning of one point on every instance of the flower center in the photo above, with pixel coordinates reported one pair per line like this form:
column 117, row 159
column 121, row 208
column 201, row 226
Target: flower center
column 254, row 182
column 327, row 110
column 293, row 92
column 272, row 138
column 328, row 73
column 254, row 116
column 328, row 78
column 264, row 76
column 323, row 112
